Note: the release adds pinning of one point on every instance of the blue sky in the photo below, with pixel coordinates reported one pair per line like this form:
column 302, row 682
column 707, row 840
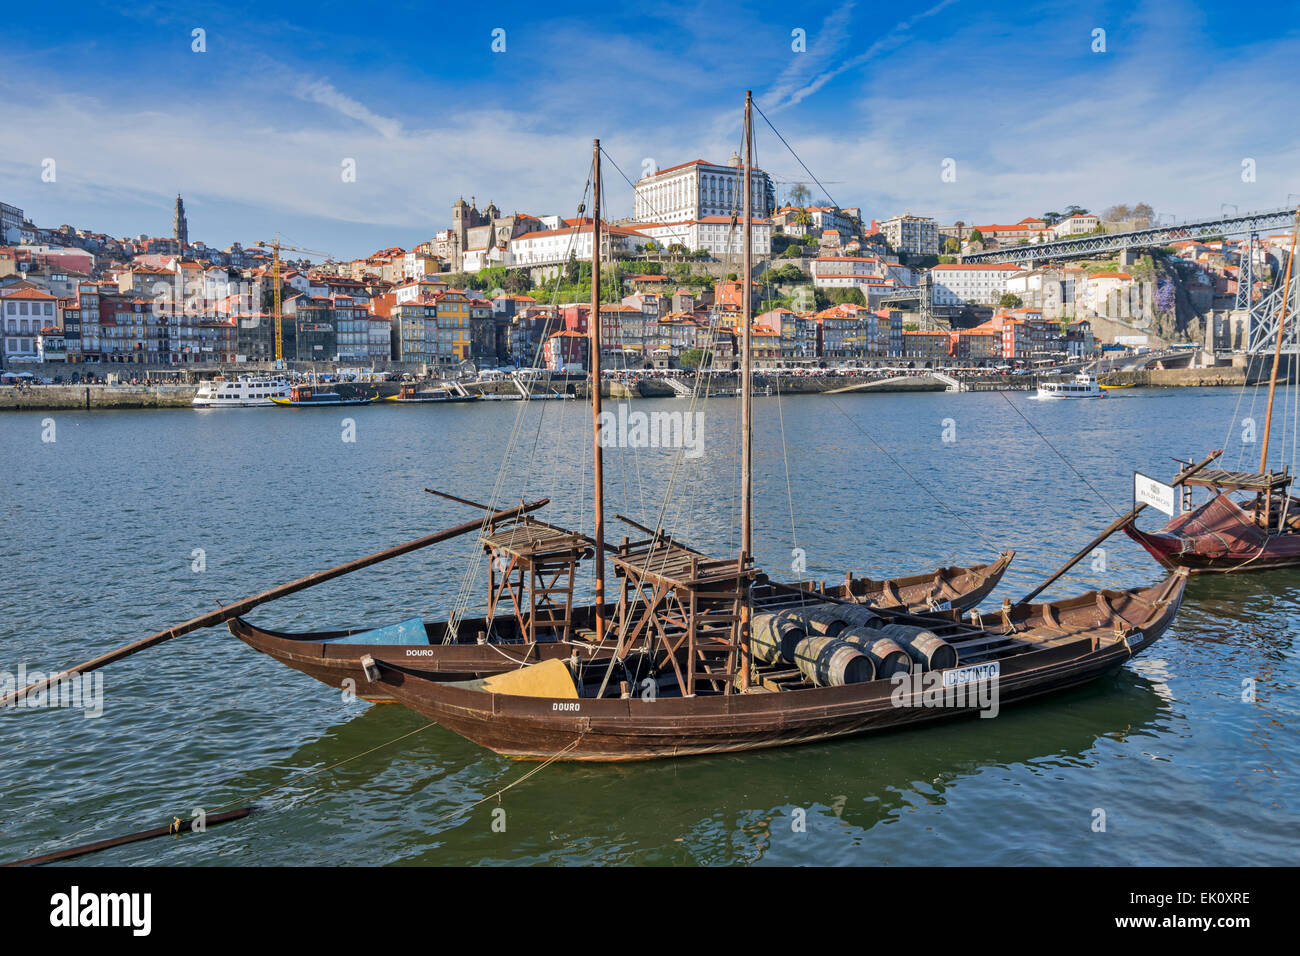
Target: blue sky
column 254, row 131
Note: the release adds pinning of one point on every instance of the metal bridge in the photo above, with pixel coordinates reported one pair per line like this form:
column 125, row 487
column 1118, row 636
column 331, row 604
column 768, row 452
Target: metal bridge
column 1265, row 314
column 1082, row 247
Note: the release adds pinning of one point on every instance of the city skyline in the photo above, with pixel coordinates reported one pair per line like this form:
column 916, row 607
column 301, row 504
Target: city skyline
column 254, row 131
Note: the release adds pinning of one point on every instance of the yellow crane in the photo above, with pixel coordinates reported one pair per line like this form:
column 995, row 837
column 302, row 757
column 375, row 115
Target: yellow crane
column 276, row 246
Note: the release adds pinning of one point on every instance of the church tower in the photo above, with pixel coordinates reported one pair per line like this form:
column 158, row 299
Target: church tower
column 180, row 228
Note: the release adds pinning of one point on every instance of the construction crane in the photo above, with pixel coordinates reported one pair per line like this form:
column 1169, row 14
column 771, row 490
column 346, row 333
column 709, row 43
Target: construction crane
column 276, row 246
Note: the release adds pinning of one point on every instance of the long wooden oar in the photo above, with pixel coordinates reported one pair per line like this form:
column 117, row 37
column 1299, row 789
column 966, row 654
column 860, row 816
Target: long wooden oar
column 180, row 826
column 1114, row 526
column 223, row 614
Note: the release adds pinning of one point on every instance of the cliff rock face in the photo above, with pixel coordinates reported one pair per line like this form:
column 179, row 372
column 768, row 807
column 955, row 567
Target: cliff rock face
column 1165, row 301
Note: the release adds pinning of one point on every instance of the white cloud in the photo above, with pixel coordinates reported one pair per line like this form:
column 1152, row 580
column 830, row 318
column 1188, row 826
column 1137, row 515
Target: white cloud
column 324, row 93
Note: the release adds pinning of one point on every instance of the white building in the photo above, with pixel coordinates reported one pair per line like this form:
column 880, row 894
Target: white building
column 1076, row 226
column 549, row 247
column 410, row 291
column 825, row 267
column 977, row 283
column 23, row 313
column 715, row 235
column 1110, row 294
column 918, row 235
column 698, row 190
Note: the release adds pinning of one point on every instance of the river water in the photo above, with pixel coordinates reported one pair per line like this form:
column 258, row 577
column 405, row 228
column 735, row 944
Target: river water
column 129, row 521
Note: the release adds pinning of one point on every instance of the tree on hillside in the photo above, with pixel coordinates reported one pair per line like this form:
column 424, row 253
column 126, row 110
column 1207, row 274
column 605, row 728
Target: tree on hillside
column 1009, row 300
column 975, row 236
column 951, row 245
column 694, row 358
column 517, row 281
column 799, row 195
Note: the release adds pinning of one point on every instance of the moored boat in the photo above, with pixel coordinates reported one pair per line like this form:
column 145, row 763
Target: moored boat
column 560, row 712
column 246, row 391
column 443, row 394
column 310, row 396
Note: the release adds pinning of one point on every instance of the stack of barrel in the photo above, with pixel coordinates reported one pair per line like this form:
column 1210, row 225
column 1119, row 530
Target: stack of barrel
column 837, row 644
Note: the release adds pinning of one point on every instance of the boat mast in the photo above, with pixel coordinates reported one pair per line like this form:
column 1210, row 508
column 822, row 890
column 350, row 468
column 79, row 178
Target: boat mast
column 746, row 395
column 1277, row 348
column 598, row 464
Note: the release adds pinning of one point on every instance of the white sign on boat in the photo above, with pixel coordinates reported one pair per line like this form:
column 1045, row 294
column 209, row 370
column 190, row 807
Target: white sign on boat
column 1157, row 494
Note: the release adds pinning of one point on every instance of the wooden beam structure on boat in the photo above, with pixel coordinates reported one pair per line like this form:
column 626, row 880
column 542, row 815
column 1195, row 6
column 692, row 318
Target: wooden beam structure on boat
column 239, row 608
column 1114, row 526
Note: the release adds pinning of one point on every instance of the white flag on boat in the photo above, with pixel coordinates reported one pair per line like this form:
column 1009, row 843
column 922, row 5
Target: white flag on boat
column 1157, row 494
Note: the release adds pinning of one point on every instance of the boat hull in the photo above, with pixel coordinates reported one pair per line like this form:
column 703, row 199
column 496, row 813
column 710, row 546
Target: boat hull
column 1218, row 538
column 629, row 729
column 339, row 665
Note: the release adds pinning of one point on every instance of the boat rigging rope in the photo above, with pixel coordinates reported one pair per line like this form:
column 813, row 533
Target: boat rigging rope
column 917, row 481
column 1069, row 464
column 920, row 484
column 533, row 771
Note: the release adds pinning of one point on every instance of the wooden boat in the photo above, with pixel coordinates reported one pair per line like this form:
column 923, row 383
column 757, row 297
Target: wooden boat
column 1047, row 648
column 710, row 656
column 1224, row 535
column 312, row 396
column 413, row 395
column 952, row 588
column 336, row 657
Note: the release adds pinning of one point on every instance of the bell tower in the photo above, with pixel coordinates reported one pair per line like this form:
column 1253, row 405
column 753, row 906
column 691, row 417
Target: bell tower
column 180, row 227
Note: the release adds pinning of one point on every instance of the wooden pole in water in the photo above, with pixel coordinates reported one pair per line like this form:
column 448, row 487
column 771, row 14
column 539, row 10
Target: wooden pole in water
column 182, row 826
column 1277, row 349
column 598, row 458
column 746, row 396
column 223, row 614
column 1114, row 526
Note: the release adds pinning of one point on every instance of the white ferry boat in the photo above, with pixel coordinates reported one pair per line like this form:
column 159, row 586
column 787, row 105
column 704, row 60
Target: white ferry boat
column 1082, row 385
column 243, row 392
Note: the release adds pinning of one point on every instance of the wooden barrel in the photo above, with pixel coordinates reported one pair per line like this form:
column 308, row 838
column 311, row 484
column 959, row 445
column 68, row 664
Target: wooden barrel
column 829, row 662
column 886, row 654
column 774, row 637
column 857, row 615
column 820, row 620
column 925, row 647
column 827, row 620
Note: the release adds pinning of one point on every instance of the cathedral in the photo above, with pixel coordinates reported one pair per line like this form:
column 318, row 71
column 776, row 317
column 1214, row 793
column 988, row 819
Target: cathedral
column 480, row 239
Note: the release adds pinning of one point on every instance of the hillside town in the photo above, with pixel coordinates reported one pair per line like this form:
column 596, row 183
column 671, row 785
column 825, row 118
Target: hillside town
column 513, row 289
